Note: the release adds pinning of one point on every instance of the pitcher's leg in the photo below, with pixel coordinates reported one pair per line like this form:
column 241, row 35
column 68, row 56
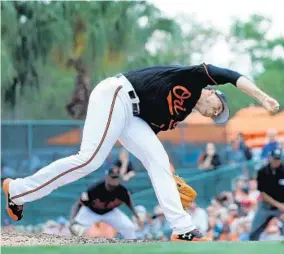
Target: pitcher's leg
column 104, row 123
column 140, row 140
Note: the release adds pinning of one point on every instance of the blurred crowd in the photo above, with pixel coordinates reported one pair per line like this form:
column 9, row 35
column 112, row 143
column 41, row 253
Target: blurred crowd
column 228, row 217
column 237, row 152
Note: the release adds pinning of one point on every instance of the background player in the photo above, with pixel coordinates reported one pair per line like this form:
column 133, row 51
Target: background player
column 132, row 107
column 100, row 204
column 270, row 182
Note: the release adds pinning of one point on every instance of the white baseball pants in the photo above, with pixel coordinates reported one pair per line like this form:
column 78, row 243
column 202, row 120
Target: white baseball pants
column 115, row 218
column 110, row 118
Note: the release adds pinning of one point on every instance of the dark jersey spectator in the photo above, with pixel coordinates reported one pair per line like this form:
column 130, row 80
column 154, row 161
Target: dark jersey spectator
column 125, row 165
column 209, row 160
column 243, row 147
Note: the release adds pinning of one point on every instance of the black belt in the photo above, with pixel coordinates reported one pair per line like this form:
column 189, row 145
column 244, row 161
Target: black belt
column 132, row 95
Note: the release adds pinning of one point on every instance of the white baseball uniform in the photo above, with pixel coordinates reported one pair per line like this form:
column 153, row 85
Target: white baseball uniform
column 110, row 117
column 115, row 218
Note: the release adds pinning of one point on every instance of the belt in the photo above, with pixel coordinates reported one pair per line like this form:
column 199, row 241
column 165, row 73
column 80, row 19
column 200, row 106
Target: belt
column 131, row 93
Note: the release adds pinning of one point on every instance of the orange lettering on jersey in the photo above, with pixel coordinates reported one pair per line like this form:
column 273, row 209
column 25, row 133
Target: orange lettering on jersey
column 114, row 203
column 98, row 204
column 180, row 94
column 172, row 124
column 170, row 102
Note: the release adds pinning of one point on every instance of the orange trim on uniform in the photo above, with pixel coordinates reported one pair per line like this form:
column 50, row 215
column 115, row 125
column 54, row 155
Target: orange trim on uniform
column 206, row 70
column 84, row 164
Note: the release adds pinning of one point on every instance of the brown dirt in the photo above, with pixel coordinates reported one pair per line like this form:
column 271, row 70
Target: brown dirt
column 13, row 238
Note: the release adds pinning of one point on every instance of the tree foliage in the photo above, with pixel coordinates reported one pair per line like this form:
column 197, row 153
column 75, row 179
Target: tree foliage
column 41, row 40
column 266, row 55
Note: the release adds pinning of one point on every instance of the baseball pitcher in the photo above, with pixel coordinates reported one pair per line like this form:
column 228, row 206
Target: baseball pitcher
column 100, row 204
column 133, row 107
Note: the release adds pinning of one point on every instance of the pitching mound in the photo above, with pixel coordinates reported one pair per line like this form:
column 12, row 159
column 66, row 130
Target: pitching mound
column 12, row 238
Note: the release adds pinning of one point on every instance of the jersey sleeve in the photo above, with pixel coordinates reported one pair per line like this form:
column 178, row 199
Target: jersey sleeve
column 220, row 76
column 125, row 196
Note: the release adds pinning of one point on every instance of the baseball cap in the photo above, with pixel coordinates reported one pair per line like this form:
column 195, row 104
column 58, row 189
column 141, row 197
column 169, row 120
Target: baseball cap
column 276, row 153
column 113, row 172
column 225, row 114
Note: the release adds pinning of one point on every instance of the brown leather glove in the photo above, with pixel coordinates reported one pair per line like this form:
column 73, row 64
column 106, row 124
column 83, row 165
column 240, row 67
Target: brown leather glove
column 187, row 193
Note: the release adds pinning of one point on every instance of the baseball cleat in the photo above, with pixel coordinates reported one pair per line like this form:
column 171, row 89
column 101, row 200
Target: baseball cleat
column 13, row 210
column 191, row 236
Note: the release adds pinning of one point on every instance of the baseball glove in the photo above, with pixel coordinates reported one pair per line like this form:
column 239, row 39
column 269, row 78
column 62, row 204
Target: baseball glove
column 187, row 193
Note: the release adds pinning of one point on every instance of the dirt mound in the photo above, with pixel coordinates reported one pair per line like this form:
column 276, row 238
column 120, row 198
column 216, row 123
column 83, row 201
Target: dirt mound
column 12, row 238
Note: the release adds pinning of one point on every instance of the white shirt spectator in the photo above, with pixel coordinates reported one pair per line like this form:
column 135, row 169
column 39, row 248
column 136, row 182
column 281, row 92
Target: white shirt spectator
column 199, row 217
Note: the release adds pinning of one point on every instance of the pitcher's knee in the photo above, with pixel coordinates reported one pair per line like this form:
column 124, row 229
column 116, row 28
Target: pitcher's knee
column 159, row 161
column 89, row 160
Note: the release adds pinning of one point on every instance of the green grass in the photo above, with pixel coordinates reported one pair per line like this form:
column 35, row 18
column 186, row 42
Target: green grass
column 165, row 248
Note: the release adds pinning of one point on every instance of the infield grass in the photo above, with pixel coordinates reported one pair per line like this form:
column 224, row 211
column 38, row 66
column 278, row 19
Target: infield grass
column 165, row 248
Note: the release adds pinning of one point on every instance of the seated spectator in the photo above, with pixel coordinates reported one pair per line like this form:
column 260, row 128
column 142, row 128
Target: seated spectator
column 271, row 144
column 199, row 217
column 243, row 147
column 254, row 193
column 233, row 216
column 210, row 159
column 235, row 154
column 272, row 233
column 141, row 232
column 247, row 209
column 159, row 224
column 212, row 221
column 125, row 165
column 243, row 229
column 240, row 191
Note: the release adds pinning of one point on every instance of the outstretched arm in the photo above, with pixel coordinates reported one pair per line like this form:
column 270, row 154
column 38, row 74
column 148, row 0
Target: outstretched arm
column 219, row 76
column 252, row 90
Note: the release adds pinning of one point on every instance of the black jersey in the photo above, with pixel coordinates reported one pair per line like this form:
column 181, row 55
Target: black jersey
column 102, row 201
column 169, row 93
column 271, row 181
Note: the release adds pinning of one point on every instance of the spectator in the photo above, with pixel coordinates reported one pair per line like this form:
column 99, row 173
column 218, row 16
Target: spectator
column 209, row 160
column 159, row 224
column 271, row 143
column 243, row 147
column 199, row 217
column 125, row 165
column 141, row 232
column 271, row 233
column 271, row 185
column 212, row 221
column 240, row 191
column 247, row 209
column 234, row 153
column 225, row 232
column 244, row 227
column 233, row 216
column 254, row 193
